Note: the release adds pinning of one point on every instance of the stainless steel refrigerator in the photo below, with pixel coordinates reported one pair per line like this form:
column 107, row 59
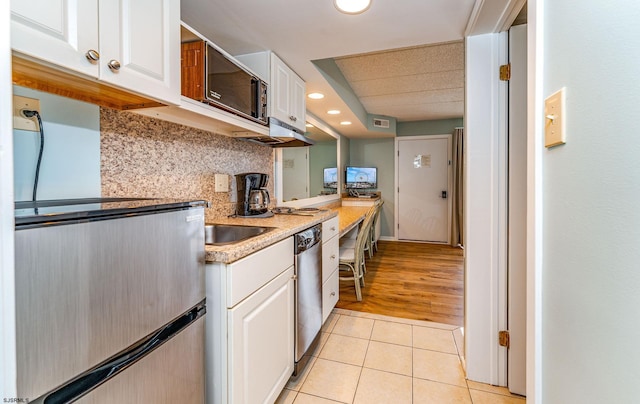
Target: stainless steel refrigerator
column 110, row 301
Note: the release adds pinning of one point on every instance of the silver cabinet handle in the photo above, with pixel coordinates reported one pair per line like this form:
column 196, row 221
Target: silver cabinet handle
column 333, row 228
column 293, row 118
column 114, row 65
column 333, row 256
column 92, row 55
column 333, row 293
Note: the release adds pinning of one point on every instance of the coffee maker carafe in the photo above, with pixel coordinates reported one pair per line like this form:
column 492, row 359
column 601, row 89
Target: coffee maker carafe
column 253, row 197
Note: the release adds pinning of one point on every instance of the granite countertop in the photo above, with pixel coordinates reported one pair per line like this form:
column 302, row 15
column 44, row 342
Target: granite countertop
column 284, row 226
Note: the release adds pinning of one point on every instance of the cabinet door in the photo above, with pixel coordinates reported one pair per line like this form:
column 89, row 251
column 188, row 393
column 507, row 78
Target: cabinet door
column 287, row 94
column 330, row 294
column 60, row 32
column 280, row 90
column 143, row 38
column 330, row 254
column 298, row 104
column 261, row 332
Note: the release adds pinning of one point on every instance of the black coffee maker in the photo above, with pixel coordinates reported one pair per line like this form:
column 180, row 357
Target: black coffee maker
column 253, row 197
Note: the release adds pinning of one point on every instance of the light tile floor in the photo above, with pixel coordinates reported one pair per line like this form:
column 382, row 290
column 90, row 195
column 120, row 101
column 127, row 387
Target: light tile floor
column 366, row 358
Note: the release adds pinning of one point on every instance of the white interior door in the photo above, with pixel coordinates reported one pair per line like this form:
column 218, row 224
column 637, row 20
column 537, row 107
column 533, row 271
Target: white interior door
column 517, row 250
column 423, row 188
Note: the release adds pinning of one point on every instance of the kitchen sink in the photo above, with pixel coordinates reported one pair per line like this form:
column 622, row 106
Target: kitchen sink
column 222, row 234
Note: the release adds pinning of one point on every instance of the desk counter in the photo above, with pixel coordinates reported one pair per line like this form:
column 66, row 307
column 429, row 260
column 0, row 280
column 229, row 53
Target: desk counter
column 350, row 216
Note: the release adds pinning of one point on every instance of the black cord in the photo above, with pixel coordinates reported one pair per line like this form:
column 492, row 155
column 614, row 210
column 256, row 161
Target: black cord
column 30, row 114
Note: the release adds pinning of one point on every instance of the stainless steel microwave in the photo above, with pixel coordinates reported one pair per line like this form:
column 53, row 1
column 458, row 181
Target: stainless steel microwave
column 210, row 75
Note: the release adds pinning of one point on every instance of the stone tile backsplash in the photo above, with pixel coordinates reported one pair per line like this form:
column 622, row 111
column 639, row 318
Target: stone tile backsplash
column 146, row 157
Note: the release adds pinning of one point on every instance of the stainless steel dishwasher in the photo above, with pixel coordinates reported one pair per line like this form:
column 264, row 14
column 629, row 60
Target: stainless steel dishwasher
column 308, row 292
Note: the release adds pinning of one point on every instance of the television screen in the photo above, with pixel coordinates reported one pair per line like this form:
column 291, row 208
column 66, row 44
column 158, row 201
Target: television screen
column 330, row 178
column 361, row 177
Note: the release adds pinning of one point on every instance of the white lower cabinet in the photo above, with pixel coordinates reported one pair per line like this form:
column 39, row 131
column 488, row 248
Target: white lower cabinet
column 250, row 326
column 330, row 253
column 330, row 294
column 261, row 342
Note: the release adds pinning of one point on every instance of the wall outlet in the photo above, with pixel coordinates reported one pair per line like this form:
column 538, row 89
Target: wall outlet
column 221, row 183
column 19, row 120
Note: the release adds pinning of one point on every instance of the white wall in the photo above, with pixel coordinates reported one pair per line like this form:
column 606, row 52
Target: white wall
column 591, row 215
column 70, row 165
column 379, row 153
column 7, row 289
column 485, row 209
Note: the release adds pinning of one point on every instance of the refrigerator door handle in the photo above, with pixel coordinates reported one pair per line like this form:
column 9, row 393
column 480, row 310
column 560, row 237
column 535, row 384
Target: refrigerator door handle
column 101, row 373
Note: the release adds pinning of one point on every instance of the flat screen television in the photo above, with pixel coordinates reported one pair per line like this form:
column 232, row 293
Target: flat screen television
column 361, row 177
column 330, row 178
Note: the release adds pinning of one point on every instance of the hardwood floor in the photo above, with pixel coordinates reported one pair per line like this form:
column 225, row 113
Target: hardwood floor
column 411, row 280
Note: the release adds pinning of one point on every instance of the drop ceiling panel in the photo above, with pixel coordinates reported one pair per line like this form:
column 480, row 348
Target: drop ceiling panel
column 418, row 83
column 404, row 84
column 425, row 111
column 414, row 98
column 404, row 62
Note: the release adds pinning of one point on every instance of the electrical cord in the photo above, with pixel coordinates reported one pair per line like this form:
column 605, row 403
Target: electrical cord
column 31, row 114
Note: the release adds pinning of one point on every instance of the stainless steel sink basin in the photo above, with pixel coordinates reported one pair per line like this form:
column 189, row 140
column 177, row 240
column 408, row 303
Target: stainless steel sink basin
column 222, row 234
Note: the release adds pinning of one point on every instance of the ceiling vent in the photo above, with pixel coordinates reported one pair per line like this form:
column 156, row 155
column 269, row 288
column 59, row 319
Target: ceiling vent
column 380, row 123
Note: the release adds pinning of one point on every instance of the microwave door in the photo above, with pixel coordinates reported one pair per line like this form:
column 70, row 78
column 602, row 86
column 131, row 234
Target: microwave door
column 227, row 85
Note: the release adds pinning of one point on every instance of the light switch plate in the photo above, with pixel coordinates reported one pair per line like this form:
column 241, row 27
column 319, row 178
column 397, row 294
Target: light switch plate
column 221, row 182
column 19, row 120
column 555, row 117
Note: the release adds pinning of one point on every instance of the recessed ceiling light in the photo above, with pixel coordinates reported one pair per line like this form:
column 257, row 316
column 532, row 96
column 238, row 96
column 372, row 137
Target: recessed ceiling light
column 352, row 6
column 309, row 125
column 316, row 96
column 345, row 123
column 333, row 112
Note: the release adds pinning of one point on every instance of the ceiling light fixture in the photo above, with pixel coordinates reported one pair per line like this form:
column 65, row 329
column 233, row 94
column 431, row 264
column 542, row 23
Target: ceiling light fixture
column 352, row 6
column 308, row 125
column 316, row 96
column 345, row 123
column 333, row 112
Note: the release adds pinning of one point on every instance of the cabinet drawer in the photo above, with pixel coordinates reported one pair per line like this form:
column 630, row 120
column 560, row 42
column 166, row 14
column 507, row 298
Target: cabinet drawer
column 251, row 273
column 330, row 294
column 330, row 228
column 330, row 252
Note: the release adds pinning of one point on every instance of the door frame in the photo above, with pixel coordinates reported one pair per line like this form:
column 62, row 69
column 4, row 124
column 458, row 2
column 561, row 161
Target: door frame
column 396, row 194
column 517, row 211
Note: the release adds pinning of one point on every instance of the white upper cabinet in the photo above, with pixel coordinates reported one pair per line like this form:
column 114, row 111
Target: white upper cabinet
column 286, row 89
column 142, row 37
column 133, row 45
column 57, row 31
column 287, row 94
column 298, row 104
